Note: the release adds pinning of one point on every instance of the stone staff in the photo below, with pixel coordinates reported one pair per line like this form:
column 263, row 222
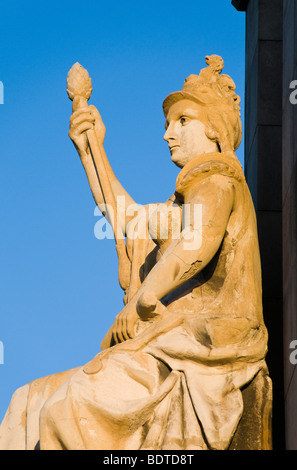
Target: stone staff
column 79, row 90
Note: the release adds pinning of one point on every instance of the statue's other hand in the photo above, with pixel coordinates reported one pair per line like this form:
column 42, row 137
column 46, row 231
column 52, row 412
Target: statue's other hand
column 124, row 324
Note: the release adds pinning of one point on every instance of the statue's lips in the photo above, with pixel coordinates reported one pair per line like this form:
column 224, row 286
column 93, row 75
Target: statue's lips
column 173, row 147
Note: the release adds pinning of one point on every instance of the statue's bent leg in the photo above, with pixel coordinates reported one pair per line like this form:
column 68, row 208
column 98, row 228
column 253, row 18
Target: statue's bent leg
column 93, row 411
column 57, row 420
column 20, row 427
column 131, row 403
column 13, row 427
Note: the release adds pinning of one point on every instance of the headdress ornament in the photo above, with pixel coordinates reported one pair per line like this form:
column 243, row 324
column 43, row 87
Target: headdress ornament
column 207, row 88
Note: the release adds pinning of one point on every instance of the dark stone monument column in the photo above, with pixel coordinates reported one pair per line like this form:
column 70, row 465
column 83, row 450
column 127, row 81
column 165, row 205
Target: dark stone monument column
column 263, row 170
column 290, row 217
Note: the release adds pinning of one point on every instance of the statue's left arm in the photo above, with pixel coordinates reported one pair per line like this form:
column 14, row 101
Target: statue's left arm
column 188, row 255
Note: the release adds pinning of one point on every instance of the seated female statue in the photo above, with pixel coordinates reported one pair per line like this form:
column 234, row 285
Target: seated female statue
column 191, row 335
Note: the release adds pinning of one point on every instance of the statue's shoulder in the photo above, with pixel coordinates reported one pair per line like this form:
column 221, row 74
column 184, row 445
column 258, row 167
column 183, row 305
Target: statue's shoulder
column 204, row 166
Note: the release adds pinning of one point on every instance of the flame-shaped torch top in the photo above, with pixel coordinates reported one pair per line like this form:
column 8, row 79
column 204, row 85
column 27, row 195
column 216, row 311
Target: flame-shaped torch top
column 79, row 82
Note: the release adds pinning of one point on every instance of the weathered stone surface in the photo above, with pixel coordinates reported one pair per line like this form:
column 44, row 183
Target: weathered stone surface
column 255, row 428
column 263, row 168
column 183, row 365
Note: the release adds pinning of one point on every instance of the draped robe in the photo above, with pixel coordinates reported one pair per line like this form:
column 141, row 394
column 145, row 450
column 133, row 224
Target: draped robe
column 178, row 383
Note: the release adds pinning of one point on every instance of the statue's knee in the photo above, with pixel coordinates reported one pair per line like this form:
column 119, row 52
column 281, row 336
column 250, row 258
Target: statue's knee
column 44, row 413
column 47, row 413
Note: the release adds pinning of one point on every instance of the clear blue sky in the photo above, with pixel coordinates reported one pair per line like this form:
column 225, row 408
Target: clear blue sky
column 58, row 284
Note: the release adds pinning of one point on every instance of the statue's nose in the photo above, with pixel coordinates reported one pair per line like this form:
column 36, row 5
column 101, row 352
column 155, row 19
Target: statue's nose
column 170, row 133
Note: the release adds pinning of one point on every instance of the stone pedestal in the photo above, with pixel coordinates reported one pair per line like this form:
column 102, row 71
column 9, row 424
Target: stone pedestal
column 263, row 170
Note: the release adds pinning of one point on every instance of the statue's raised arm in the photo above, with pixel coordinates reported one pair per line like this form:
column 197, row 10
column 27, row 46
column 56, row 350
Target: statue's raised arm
column 87, row 132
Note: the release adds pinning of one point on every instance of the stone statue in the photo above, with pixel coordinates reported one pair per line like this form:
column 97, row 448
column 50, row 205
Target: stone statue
column 183, row 366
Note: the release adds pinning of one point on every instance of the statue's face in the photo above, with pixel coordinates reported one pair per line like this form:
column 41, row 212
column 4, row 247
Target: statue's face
column 185, row 132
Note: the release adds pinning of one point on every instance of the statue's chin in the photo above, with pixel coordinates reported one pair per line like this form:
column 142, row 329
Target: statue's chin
column 179, row 165
column 179, row 160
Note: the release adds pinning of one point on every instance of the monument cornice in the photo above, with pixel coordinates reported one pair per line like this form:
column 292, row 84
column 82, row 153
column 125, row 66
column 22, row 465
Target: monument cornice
column 240, row 5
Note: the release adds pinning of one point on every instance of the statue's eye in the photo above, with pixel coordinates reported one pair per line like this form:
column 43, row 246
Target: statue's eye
column 184, row 120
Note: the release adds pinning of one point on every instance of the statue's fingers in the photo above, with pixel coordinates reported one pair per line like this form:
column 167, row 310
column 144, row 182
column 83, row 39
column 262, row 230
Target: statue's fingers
column 130, row 331
column 121, row 331
column 114, row 335
column 79, row 111
column 117, row 336
column 130, row 328
column 125, row 328
column 83, row 127
column 85, row 117
column 95, row 112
